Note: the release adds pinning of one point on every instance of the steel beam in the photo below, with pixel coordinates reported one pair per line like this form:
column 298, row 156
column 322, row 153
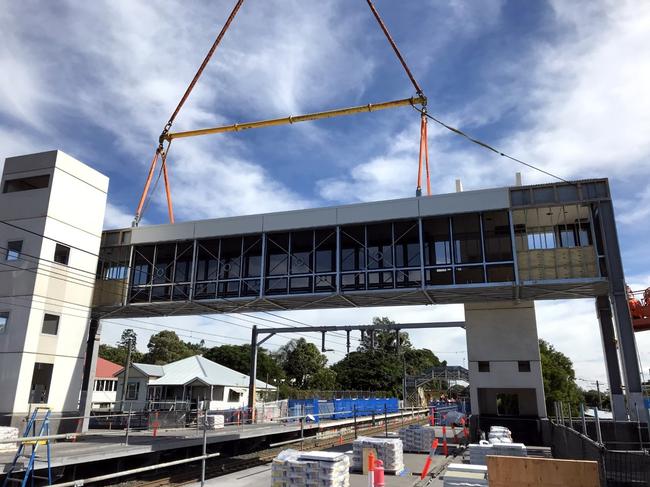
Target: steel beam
column 396, row 326
column 236, row 127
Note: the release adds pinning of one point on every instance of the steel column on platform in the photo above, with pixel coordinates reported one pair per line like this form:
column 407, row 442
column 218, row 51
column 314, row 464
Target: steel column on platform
column 604, row 313
column 621, row 312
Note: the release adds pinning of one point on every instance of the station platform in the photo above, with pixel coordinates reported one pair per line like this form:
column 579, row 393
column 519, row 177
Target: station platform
column 104, row 445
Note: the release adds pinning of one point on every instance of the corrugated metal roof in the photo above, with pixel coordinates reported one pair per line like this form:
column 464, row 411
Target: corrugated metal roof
column 199, row 368
column 150, row 370
column 106, row 369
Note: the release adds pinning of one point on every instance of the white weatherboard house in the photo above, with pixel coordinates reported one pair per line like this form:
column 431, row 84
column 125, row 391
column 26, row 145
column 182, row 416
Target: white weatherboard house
column 185, row 383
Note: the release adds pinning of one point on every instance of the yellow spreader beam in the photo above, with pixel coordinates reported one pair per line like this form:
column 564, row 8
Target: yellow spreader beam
column 370, row 107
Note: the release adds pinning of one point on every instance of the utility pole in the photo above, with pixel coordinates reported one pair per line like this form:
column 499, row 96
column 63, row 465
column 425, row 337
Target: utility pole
column 404, row 379
column 127, row 365
column 600, row 402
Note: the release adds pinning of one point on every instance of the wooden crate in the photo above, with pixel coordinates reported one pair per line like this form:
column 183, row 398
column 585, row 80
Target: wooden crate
column 506, row 471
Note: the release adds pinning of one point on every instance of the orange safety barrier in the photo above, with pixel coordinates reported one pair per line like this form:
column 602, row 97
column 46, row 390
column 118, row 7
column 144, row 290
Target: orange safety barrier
column 427, row 463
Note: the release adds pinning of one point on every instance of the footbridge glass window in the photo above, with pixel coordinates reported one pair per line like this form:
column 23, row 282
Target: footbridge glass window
column 252, row 265
column 325, row 254
column 408, row 258
column 229, row 267
column 353, row 257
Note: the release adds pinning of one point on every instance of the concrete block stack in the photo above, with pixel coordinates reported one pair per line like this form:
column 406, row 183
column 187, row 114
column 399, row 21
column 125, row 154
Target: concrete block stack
column 478, row 452
column 417, row 438
column 462, row 475
column 292, row 468
column 7, row 433
column 215, row 421
column 389, row 450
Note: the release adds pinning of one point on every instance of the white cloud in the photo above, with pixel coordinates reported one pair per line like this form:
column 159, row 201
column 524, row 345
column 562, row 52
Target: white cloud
column 590, row 109
column 117, row 217
column 123, row 66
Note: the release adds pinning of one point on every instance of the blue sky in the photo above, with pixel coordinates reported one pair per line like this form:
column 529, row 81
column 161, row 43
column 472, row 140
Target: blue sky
column 560, row 84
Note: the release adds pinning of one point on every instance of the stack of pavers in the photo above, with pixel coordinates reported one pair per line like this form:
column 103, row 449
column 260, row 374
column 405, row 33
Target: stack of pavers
column 6, row 435
column 292, row 468
column 500, row 443
column 417, row 438
column 389, row 450
column 215, row 421
column 463, row 475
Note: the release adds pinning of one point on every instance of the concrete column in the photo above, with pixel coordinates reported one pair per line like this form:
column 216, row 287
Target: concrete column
column 501, row 334
column 90, row 365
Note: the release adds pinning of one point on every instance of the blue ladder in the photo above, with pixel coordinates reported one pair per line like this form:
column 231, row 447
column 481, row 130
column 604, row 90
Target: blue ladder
column 31, row 429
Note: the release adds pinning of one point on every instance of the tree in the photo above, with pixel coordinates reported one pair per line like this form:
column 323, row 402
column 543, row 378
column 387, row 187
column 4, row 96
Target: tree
column 117, row 354
column 165, row 347
column 559, row 378
column 372, row 370
column 300, row 360
column 238, row 357
column 323, row 380
column 129, row 337
column 385, row 340
column 591, row 399
column 382, row 368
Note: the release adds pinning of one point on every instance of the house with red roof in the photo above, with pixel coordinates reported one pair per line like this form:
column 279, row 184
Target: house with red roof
column 105, row 387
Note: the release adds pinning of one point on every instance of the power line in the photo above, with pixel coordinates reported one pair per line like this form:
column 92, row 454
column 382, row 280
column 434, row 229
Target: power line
column 50, row 273
column 487, row 146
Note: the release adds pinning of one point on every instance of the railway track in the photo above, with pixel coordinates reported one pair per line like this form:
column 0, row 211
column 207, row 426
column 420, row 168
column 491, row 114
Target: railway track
column 223, row 466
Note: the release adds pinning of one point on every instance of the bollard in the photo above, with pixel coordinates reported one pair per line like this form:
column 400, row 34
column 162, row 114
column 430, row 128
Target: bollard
column 385, row 421
column 128, row 424
column 354, row 409
column 371, row 470
column 205, row 449
column 155, row 425
column 444, row 441
column 302, row 431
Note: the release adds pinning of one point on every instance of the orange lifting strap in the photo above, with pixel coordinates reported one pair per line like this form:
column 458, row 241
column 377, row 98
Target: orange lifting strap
column 161, row 152
column 424, row 154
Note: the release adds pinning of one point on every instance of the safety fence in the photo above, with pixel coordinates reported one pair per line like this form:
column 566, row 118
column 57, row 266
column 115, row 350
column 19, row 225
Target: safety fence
column 617, row 467
column 622, row 456
column 342, row 408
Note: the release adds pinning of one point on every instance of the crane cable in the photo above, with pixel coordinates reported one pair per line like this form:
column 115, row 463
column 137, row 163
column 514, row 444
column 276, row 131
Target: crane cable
column 160, row 151
column 424, row 147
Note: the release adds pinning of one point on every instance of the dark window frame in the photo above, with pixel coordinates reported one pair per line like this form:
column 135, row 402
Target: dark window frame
column 18, row 185
column 48, row 320
column 4, row 321
column 61, row 254
column 14, row 252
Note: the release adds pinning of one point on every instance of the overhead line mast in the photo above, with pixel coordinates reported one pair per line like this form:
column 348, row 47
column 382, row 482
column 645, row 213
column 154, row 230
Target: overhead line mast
column 162, row 152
